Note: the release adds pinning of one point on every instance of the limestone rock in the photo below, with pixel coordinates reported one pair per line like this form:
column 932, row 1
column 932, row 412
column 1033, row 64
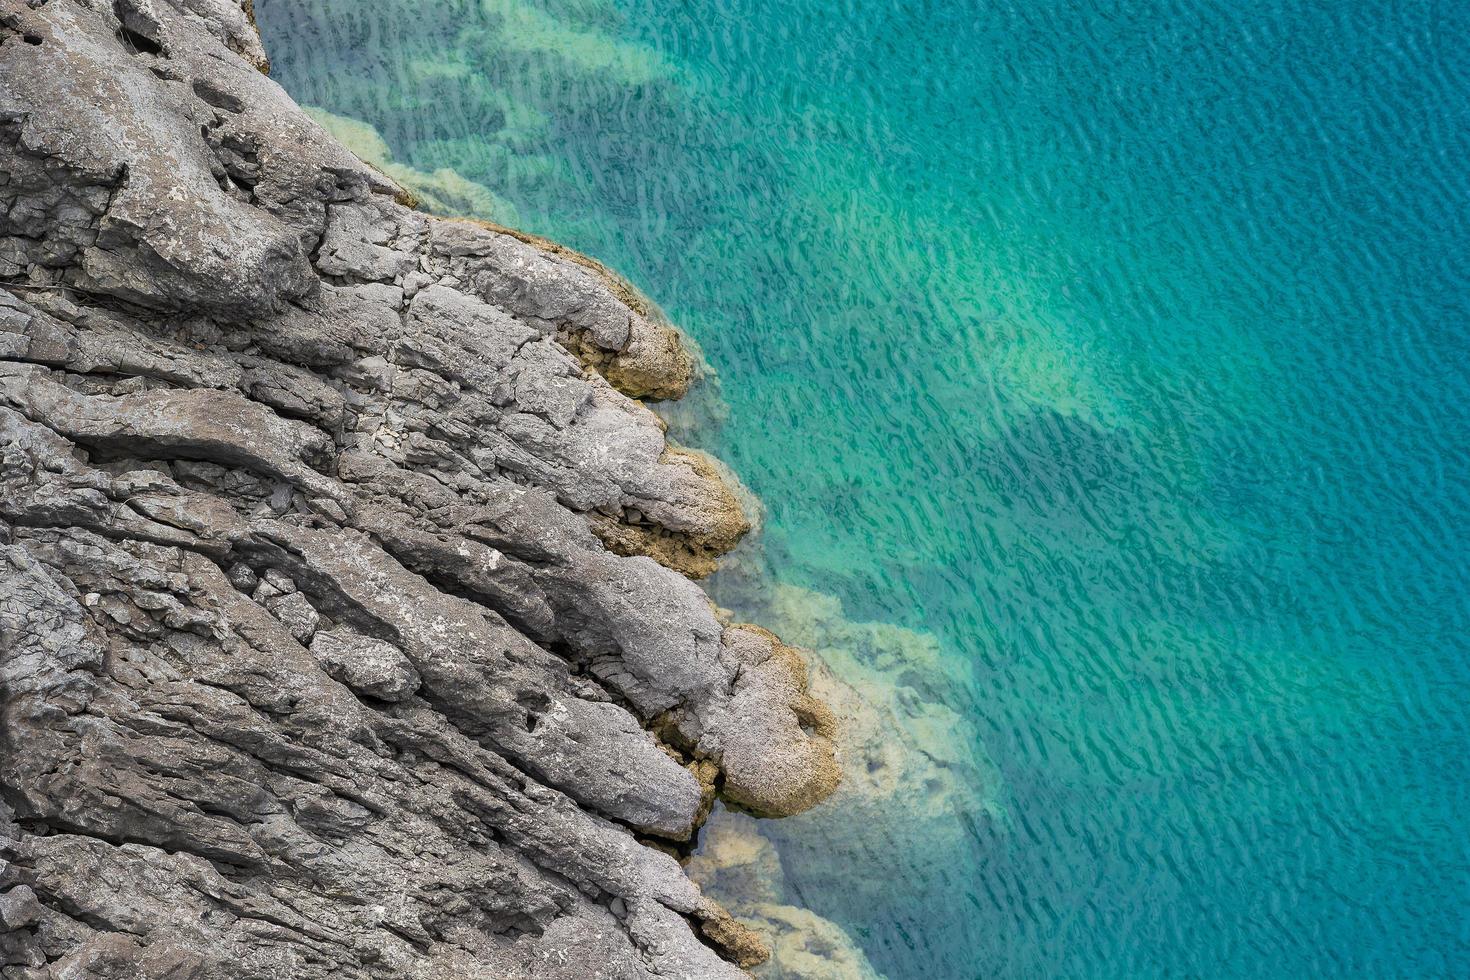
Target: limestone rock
column 342, row 629
column 368, row 666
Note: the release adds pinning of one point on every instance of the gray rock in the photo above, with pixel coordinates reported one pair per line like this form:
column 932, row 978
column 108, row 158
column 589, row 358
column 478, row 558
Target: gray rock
column 342, row 620
column 279, row 580
column 19, row 907
column 243, row 577
column 297, row 614
column 368, row 666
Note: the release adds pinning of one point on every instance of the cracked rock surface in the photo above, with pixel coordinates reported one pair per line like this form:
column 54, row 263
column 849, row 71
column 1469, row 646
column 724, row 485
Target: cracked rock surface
column 345, row 620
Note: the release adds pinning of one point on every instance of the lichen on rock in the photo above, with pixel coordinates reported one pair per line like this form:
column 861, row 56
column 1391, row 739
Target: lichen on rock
column 330, row 636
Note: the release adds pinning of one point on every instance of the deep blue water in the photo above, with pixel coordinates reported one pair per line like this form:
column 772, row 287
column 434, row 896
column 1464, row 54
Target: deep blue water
column 1122, row 351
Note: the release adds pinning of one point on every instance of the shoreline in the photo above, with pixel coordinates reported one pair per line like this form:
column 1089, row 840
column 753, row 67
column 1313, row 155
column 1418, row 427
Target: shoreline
column 325, row 524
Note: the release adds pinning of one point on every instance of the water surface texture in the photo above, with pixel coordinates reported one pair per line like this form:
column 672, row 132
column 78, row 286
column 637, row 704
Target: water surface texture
column 1115, row 355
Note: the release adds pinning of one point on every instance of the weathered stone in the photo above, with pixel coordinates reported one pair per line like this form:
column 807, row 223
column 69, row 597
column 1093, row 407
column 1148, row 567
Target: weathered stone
column 342, row 628
column 368, row 666
column 279, row 580
column 19, row 907
column 297, row 614
column 243, row 577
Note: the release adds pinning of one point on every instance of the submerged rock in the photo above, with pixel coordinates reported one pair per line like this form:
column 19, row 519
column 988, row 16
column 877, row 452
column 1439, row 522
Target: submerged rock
column 330, row 636
column 741, row 868
column 918, row 792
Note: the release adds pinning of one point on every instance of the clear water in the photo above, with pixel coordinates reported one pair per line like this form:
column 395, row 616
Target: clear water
column 1122, row 349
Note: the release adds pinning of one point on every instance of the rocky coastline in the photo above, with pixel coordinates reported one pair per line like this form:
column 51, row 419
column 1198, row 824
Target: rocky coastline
column 347, row 625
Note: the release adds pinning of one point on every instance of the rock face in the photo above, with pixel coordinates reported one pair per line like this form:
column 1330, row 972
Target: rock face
column 330, row 639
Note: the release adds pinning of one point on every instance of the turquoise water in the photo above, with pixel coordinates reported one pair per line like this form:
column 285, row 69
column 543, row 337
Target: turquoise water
column 1122, row 350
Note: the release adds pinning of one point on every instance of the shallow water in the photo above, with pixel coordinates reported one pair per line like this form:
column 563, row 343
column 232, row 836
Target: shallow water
column 1116, row 358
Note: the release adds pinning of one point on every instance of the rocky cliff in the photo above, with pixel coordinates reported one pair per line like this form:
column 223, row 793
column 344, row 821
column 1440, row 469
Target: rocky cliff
column 330, row 636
